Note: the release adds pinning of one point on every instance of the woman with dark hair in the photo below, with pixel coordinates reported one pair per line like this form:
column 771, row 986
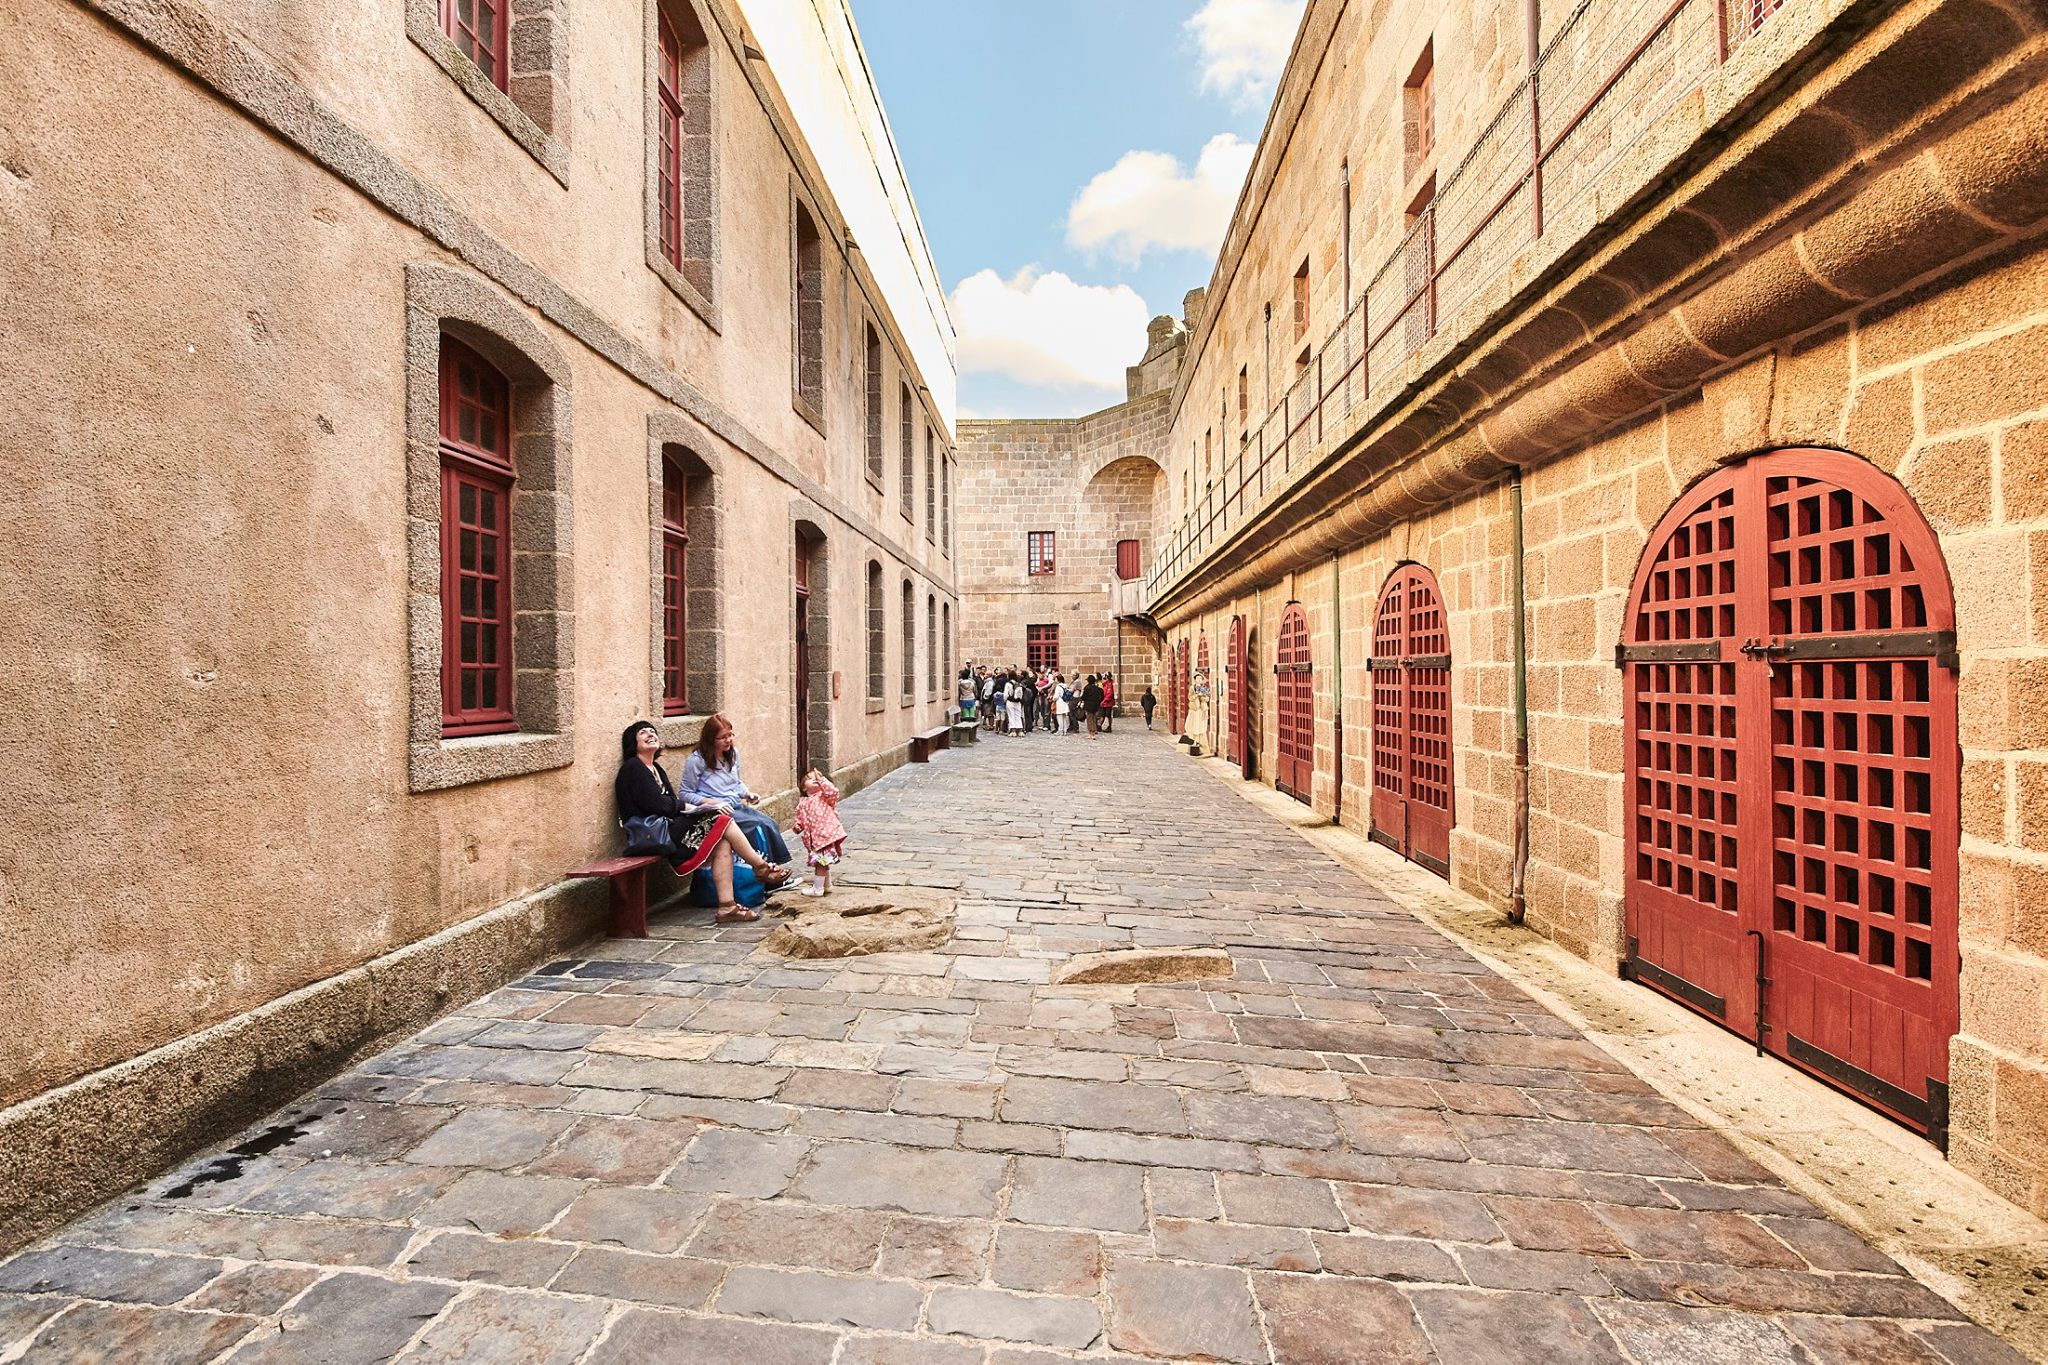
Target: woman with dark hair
column 700, row 832
column 712, row 774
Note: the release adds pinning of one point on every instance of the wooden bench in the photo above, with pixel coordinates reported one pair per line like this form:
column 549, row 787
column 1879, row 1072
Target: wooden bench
column 924, row 741
column 965, row 732
column 627, row 878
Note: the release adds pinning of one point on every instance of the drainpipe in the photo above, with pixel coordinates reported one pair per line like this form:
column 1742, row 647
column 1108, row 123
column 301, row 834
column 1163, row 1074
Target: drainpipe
column 1337, row 686
column 1518, row 890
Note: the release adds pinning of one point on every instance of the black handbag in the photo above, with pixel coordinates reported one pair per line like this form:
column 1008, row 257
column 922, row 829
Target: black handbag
column 648, row 836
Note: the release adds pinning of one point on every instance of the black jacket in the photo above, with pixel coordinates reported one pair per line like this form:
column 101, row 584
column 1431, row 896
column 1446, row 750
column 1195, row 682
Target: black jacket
column 1091, row 697
column 641, row 790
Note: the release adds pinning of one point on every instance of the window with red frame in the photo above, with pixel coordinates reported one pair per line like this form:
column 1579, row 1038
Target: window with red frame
column 670, row 148
column 478, row 29
column 1127, row 559
column 675, row 542
column 1041, row 647
column 1038, row 551
column 476, row 544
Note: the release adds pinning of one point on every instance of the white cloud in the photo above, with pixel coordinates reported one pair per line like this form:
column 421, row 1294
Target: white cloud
column 1244, row 44
column 1148, row 199
column 1045, row 329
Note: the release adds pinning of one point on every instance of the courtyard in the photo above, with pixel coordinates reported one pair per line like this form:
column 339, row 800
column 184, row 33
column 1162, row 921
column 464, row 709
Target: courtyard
column 1361, row 1144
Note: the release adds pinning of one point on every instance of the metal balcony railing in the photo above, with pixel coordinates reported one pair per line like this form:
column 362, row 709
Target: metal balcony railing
column 1609, row 72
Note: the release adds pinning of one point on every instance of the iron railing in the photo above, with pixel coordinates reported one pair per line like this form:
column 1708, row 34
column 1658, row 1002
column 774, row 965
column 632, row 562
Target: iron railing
column 1606, row 75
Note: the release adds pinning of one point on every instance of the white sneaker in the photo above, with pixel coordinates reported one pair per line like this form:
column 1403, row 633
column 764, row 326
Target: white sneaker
column 812, row 891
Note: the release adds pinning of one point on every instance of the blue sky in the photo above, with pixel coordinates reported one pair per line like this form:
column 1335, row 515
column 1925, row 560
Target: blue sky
column 1075, row 162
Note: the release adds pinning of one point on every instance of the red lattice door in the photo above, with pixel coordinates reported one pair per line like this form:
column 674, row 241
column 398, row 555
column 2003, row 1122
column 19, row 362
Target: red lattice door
column 1251, row 703
column 1237, row 682
column 1180, row 690
column 1294, row 723
column 1794, row 772
column 1411, row 720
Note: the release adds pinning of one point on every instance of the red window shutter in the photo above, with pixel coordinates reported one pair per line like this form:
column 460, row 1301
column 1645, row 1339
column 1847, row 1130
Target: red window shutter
column 1127, row 559
column 476, row 545
column 479, row 30
column 675, row 540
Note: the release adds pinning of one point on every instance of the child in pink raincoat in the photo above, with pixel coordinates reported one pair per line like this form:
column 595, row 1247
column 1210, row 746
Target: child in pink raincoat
column 817, row 820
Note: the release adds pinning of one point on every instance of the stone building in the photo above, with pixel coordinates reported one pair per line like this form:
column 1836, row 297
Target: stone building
column 406, row 397
column 1059, row 520
column 1609, row 469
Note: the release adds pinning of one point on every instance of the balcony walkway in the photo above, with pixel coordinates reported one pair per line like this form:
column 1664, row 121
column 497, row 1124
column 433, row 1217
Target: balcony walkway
column 1363, row 1146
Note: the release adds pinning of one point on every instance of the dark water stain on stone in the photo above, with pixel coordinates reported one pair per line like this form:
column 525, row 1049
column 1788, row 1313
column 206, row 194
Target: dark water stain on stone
column 231, row 1163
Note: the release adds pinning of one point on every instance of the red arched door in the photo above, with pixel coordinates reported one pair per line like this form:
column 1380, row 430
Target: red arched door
column 1180, row 690
column 1206, row 687
column 1251, row 702
column 1295, row 724
column 1411, row 720
column 1793, row 773
column 1236, row 683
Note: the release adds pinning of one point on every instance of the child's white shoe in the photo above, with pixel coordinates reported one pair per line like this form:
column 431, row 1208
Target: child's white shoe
column 812, row 891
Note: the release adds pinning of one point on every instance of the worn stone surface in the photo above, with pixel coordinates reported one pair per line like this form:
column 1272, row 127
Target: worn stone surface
column 1127, row 966
column 858, row 921
column 1279, row 1165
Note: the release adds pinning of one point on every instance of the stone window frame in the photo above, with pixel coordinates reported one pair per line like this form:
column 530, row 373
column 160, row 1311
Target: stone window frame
column 872, row 389
column 808, row 527
column 534, row 107
column 906, row 442
column 704, row 574
column 441, row 299
column 909, row 629
column 806, row 390
column 931, row 645
column 700, row 295
column 931, row 486
column 878, row 637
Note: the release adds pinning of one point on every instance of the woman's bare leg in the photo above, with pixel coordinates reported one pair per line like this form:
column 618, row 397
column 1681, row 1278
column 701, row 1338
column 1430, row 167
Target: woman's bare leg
column 721, row 873
column 738, row 847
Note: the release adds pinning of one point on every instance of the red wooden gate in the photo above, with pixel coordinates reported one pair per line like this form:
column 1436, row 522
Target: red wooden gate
column 1180, row 690
column 1236, row 683
column 1251, row 703
column 1411, row 720
column 1295, row 723
column 1793, row 773
column 1204, row 679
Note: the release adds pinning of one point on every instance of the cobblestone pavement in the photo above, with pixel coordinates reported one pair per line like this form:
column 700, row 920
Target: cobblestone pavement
column 1363, row 1147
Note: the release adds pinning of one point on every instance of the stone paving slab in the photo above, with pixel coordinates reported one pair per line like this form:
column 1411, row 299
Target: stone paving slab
column 1359, row 1144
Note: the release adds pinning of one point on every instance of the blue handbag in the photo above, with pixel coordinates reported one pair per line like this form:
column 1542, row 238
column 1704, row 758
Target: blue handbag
column 648, row 836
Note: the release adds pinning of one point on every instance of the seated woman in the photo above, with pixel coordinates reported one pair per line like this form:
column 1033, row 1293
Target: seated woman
column 703, row 832
column 712, row 773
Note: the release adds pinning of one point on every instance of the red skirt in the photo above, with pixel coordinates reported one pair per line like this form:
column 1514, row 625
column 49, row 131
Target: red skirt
column 695, row 837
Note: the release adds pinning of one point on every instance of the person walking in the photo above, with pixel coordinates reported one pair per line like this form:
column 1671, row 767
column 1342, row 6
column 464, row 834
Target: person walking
column 1108, row 702
column 1148, row 701
column 1091, row 702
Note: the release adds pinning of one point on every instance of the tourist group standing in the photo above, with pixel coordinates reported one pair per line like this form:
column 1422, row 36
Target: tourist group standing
column 1019, row 701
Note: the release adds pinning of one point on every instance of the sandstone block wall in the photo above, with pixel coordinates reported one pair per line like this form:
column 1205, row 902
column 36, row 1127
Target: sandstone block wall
column 1092, row 481
column 1905, row 325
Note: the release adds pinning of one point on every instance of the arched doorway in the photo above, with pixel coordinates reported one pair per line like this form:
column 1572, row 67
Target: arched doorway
column 812, row 666
column 1180, row 689
column 1295, row 723
column 1251, row 703
column 1205, row 688
column 1411, row 719
column 1236, row 683
column 1793, row 773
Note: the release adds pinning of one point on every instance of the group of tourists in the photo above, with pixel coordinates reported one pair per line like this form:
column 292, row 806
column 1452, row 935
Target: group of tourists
column 1019, row 701
column 713, row 818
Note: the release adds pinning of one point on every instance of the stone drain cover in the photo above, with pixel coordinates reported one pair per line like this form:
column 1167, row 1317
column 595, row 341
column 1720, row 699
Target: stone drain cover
column 857, row 921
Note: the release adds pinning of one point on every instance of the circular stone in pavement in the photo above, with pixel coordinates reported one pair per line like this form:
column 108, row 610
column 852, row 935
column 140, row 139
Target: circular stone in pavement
column 856, row 921
column 1129, row 965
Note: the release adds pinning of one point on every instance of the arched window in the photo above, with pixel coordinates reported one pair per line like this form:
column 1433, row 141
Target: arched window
column 684, row 158
column 872, row 362
column 877, row 633
column 909, row 642
column 807, row 313
column 931, row 643
column 946, row 634
column 906, row 441
column 931, row 486
column 476, row 544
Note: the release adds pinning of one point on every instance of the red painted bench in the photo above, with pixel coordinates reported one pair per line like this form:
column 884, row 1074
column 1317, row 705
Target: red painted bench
column 627, row 878
column 924, row 741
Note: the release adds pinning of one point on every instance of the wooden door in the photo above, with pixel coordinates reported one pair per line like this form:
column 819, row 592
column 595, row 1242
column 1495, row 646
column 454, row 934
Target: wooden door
column 1295, row 722
column 1411, row 720
column 1237, row 683
column 1251, row 703
column 803, row 661
column 1794, row 773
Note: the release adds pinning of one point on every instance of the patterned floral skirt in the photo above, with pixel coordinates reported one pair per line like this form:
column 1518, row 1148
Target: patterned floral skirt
column 695, row 836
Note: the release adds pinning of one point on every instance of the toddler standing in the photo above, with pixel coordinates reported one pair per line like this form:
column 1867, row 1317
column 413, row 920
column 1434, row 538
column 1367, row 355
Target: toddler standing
column 817, row 820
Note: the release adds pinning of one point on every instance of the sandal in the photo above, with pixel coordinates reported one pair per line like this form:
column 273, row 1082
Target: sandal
column 730, row 913
column 775, row 876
